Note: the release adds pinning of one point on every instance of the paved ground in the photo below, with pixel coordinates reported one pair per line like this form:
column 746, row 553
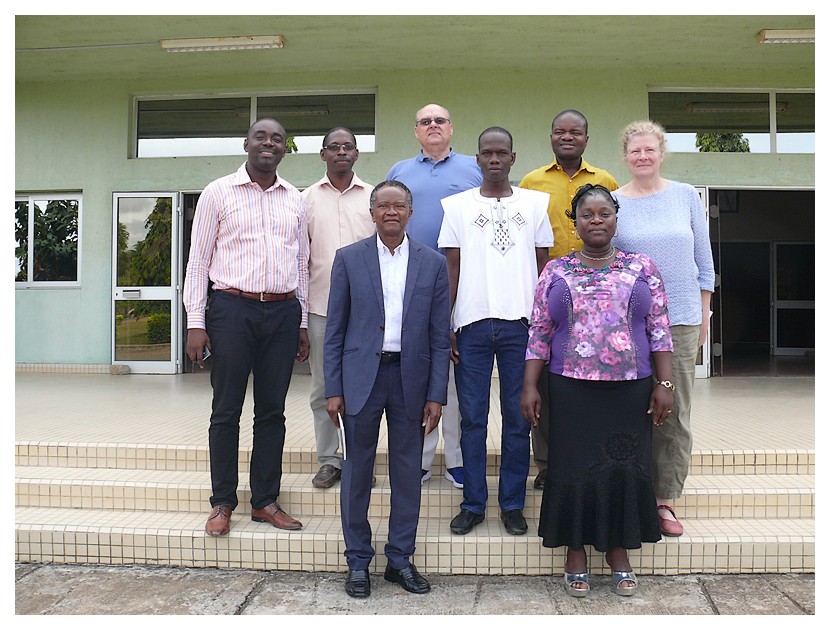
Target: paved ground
column 142, row 590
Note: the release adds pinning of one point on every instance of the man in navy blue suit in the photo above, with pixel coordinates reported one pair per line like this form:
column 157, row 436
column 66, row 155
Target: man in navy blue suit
column 387, row 348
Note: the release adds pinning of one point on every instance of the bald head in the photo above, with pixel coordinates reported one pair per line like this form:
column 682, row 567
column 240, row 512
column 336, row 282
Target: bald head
column 433, row 128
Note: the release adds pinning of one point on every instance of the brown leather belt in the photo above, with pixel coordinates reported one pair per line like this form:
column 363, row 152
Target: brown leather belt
column 261, row 297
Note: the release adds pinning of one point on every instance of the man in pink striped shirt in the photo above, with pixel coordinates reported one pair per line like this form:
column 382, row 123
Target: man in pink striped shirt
column 250, row 238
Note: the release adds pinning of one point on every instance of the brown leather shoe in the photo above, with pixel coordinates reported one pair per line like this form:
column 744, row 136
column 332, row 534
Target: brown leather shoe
column 275, row 515
column 219, row 521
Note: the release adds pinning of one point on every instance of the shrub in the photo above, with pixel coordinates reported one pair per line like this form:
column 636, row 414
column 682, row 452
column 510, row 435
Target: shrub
column 158, row 328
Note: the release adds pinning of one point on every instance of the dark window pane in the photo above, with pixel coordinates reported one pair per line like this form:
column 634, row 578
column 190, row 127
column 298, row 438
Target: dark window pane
column 796, row 122
column 796, row 328
column 217, row 126
column 308, row 118
column 713, row 121
column 181, row 127
column 796, row 272
column 315, row 115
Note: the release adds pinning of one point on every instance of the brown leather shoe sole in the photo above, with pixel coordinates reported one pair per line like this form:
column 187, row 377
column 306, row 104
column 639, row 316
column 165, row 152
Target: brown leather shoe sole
column 275, row 515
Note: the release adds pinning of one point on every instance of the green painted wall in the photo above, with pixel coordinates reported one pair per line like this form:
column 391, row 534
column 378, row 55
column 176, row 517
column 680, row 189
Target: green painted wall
column 75, row 137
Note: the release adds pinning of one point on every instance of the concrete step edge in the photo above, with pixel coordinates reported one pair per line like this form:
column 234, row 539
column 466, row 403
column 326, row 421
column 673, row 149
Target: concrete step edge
column 85, row 536
column 192, row 457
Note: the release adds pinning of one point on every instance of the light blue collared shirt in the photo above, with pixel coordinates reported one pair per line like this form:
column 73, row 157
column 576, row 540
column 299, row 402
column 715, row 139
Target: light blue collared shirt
column 430, row 182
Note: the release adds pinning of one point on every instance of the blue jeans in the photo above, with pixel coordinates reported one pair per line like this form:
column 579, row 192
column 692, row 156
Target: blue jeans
column 477, row 345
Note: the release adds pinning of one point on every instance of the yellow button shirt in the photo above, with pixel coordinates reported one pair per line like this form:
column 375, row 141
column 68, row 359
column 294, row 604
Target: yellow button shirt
column 562, row 187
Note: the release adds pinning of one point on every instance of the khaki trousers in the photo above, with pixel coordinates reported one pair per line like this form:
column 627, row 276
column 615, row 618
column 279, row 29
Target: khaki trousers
column 672, row 443
column 325, row 433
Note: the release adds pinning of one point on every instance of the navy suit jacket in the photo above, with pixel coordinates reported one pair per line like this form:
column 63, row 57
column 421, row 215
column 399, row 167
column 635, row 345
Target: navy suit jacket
column 355, row 321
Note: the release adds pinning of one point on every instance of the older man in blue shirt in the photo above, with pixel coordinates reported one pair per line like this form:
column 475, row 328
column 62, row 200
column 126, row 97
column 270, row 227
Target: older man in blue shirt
column 437, row 172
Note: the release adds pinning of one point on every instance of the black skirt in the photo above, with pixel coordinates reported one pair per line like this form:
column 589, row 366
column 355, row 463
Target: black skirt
column 598, row 488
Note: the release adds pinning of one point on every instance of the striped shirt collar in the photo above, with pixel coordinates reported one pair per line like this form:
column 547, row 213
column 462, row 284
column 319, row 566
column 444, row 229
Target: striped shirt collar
column 242, row 178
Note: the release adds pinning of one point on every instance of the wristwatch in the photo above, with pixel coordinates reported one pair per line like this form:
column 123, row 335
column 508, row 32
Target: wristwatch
column 666, row 384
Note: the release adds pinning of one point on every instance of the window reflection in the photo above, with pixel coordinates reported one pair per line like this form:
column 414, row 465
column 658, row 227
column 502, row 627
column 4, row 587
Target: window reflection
column 735, row 122
column 144, row 241
column 142, row 330
column 186, row 127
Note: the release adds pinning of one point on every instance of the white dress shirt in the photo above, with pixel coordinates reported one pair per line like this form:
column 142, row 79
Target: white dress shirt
column 393, row 280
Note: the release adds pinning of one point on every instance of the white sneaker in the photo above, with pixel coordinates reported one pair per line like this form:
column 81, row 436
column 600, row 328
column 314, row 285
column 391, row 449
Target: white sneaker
column 425, row 475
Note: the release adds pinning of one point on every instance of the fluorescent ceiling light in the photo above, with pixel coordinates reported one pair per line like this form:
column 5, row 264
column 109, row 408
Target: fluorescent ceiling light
column 793, row 36
column 733, row 108
column 248, row 42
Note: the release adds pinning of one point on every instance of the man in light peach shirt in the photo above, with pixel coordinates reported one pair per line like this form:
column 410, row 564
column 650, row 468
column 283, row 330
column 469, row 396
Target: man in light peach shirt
column 338, row 215
column 250, row 238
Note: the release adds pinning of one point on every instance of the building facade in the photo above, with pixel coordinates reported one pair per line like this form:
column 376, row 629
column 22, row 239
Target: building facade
column 116, row 135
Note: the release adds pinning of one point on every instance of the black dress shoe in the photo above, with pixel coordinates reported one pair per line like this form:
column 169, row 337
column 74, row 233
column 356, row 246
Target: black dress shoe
column 357, row 583
column 326, row 477
column 539, row 482
column 465, row 521
column 408, row 577
column 514, row 522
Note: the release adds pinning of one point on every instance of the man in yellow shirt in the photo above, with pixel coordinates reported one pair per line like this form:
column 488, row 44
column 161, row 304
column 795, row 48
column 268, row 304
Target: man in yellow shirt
column 561, row 179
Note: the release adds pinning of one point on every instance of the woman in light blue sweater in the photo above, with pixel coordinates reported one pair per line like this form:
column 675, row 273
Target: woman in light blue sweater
column 665, row 220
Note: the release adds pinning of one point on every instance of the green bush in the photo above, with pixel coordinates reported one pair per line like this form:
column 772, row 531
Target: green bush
column 158, row 328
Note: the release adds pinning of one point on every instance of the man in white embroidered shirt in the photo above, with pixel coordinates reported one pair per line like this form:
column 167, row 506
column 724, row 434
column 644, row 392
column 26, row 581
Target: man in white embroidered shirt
column 496, row 239
column 250, row 238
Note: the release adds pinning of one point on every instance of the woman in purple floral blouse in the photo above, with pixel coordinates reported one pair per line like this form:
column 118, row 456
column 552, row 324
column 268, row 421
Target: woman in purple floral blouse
column 600, row 326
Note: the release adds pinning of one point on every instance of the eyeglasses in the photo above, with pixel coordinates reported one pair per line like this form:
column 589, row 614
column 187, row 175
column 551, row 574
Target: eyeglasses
column 383, row 206
column 335, row 148
column 426, row 122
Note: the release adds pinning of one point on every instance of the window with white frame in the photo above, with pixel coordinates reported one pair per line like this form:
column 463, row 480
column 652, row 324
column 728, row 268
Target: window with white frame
column 47, row 239
column 740, row 121
column 211, row 126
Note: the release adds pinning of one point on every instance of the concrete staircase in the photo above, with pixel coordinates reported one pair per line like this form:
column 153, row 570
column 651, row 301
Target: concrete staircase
column 745, row 511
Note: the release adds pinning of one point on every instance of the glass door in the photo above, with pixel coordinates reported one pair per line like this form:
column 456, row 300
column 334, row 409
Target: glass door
column 145, row 294
column 794, row 299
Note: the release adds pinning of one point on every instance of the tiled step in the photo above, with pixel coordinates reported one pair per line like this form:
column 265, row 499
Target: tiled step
column 706, row 496
column 303, row 460
column 63, row 535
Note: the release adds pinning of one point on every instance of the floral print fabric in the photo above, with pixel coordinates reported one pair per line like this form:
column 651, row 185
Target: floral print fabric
column 599, row 324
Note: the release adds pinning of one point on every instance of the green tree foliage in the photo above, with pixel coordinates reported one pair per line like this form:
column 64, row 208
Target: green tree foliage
column 55, row 247
column 147, row 264
column 716, row 142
